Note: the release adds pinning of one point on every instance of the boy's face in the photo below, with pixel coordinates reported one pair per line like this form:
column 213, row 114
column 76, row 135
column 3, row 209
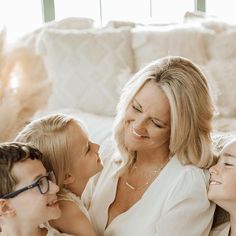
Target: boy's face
column 222, row 189
column 31, row 205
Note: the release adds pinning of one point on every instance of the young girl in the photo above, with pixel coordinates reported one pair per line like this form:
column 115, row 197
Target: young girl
column 222, row 189
column 73, row 158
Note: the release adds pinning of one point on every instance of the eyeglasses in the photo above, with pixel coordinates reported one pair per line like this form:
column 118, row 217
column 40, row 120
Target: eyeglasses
column 41, row 183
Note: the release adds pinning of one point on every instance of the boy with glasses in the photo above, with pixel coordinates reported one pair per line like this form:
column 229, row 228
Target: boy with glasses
column 27, row 192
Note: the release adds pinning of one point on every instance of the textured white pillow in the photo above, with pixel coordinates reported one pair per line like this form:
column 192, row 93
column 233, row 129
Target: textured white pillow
column 222, row 46
column 84, row 66
column 223, row 74
column 152, row 43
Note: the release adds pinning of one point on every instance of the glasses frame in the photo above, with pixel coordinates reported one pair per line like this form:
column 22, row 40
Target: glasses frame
column 49, row 177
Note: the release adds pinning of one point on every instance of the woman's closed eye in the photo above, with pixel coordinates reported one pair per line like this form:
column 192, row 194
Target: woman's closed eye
column 157, row 124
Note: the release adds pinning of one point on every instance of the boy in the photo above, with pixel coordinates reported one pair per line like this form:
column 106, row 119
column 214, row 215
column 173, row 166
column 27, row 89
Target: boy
column 27, row 192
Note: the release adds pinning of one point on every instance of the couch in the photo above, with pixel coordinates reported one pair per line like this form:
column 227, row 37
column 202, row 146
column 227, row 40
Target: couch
column 85, row 67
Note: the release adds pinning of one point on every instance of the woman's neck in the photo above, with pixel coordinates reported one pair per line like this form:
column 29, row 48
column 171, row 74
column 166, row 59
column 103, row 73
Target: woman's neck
column 153, row 158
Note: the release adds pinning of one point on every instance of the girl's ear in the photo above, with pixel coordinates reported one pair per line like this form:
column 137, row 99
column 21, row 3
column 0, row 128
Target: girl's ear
column 6, row 209
column 69, row 179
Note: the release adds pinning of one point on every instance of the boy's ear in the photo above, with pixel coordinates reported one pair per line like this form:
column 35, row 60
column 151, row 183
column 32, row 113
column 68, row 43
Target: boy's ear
column 69, row 179
column 6, row 209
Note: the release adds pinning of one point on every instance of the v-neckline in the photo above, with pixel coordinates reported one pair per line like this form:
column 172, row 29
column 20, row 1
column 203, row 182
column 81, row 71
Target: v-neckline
column 115, row 185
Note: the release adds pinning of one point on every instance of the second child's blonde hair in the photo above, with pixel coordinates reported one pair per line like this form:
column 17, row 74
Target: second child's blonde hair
column 52, row 135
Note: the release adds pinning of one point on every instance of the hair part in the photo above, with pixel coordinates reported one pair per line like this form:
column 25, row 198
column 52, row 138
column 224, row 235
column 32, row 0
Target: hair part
column 11, row 153
column 191, row 109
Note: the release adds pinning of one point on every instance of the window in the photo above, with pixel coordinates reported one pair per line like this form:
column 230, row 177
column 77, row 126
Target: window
column 127, row 10
column 20, row 17
column 170, row 11
column 77, row 8
column 221, row 8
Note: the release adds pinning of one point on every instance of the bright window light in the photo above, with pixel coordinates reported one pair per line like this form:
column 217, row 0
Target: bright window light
column 20, row 17
column 224, row 9
column 77, row 8
column 126, row 10
column 169, row 11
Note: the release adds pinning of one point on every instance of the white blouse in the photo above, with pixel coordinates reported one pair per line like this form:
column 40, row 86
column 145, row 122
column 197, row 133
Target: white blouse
column 175, row 204
column 51, row 231
column 221, row 230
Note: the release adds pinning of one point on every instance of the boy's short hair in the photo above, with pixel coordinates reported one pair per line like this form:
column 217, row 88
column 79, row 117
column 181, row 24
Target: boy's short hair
column 11, row 153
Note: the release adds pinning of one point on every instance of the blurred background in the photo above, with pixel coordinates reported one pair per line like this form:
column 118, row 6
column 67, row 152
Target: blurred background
column 22, row 16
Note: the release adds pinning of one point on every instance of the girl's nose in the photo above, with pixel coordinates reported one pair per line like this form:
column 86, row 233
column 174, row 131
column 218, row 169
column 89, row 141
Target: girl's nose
column 214, row 169
column 96, row 147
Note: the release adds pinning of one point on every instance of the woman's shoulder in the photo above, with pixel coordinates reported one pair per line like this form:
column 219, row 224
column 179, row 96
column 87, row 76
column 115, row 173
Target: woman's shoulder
column 189, row 175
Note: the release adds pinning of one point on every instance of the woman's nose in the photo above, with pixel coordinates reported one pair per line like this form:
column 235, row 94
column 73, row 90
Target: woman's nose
column 139, row 125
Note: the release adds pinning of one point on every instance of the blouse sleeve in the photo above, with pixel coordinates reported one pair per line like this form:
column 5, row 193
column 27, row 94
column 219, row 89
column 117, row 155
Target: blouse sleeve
column 187, row 210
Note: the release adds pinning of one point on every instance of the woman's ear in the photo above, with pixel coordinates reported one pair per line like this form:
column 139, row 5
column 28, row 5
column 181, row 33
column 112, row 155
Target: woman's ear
column 6, row 208
column 69, row 179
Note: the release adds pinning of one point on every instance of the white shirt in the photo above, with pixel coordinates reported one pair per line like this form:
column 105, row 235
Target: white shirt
column 175, row 204
column 51, row 231
column 221, row 230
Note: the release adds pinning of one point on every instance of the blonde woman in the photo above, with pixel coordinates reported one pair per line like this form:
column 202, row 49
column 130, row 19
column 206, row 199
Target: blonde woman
column 222, row 189
column 156, row 183
column 73, row 158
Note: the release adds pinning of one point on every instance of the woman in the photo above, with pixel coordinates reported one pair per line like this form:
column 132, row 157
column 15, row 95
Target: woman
column 162, row 136
column 222, row 189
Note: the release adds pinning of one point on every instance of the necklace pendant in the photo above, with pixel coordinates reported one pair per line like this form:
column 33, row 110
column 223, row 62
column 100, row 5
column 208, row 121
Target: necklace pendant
column 130, row 186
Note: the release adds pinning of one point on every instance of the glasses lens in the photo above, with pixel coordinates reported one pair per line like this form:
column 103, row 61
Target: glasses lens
column 43, row 184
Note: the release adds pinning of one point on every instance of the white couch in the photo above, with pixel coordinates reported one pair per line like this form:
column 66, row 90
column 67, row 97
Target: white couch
column 88, row 66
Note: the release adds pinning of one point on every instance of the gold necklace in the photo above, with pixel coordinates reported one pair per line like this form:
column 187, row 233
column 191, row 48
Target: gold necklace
column 155, row 172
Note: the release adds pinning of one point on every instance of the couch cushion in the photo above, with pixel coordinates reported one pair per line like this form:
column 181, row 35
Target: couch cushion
column 223, row 74
column 222, row 46
column 153, row 43
column 84, row 67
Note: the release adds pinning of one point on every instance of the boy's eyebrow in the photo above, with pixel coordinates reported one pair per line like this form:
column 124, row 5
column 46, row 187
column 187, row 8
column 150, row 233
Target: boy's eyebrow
column 37, row 177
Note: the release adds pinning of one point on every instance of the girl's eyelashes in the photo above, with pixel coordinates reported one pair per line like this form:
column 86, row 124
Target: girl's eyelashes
column 88, row 148
column 136, row 109
column 228, row 164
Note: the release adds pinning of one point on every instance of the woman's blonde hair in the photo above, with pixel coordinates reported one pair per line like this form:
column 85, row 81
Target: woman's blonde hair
column 52, row 135
column 191, row 109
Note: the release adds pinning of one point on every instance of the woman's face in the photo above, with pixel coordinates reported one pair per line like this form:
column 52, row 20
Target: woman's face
column 147, row 120
column 222, row 189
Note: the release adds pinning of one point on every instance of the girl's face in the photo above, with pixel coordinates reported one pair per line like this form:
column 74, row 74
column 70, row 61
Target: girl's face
column 222, row 189
column 32, row 206
column 85, row 158
column 147, row 120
